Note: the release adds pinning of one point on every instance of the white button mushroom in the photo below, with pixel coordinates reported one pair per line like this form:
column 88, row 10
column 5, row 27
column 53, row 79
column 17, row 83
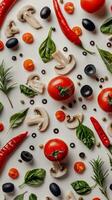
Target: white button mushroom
column 11, row 29
column 70, row 196
column 34, row 82
column 58, row 170
column 72, row 122
column 26, row 15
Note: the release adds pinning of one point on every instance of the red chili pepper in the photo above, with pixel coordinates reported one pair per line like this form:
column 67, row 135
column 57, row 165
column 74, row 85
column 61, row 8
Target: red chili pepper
column 65, row 27
column 101, row 133
column 10, row 147
column 5, row 7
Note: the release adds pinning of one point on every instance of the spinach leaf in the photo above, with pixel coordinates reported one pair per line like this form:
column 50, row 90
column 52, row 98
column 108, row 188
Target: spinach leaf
column 18, row 118
column 34, row 177
column 32, row 197
column 81, row 187
column 106, row 27
column 47, row 48
column 106, row 57
column 29, row 92
column 1, row 107
column 20, row 196
column 86, row 135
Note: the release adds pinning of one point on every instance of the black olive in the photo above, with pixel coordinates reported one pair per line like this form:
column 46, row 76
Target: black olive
column 90, row 70
column 12, row 43
column 86, row 91
column 88, row 24
column 8, row 187
column 55, row 189
column 45, row 12
column 26, row 156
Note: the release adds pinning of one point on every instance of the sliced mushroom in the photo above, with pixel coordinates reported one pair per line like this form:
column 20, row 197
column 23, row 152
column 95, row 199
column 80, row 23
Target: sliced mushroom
column 48, row 198
column 58, row 170
column 34, row 82
column 26, row 15
column 40, row 118
column 70, row 196
column 66, row 65
column 109, row 129
column 11, row 29
column 72, row 122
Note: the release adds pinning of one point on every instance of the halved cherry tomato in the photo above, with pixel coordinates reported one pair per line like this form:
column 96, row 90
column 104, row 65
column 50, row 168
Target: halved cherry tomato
column 55, row 150
column 77, row 30
column 105, row 99
column 61, row 88
column 96, row 198
column 1, row 126
column 13, row 173
column 69, row 8
column 29, row 65
column 60, row 115
column 1, row 45
column 79, row 167
column 28, row 38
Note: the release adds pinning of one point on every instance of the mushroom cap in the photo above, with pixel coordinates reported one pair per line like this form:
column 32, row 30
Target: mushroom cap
column 26, row 9
column 58, row 170
column 72, row 122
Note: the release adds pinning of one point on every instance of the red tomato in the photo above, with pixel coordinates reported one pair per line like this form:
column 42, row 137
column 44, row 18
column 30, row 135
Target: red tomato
column 96, row 198
column 1, row 126
column 61, row 88
column 79, row 167
column 60, row 115
column 55, row 150
column 13, row 173
column 92, row 6
column 69, row 8
column 105, row 99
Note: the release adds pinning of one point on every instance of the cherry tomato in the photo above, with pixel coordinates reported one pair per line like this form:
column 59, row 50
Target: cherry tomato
column 69, row 8
column 1, row 45
column 60, row 115
column 1, row 126
column 77, row 30
column 79, row 167
column 96, row 198
column 61, row 88
column 55, row 150
column 28, row 38
column 29, row 65
column 105, row 99
column 92, row 6
column 13, row 173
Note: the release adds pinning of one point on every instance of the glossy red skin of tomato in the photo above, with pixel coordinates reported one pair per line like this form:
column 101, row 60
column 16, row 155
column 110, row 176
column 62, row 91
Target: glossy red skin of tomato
column 64, row 82
column 53, row 146
column 103, row 99
column 92, row 6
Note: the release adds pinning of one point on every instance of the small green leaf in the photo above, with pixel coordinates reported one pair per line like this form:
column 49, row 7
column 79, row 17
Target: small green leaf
column 106, row 27
column 32, row 197
column 81, row 187
column 18, row 118
column 106, row 57
column 20, row 196
column 86, row 135
column 29, row 92
column 1, row 107
column 47, row 48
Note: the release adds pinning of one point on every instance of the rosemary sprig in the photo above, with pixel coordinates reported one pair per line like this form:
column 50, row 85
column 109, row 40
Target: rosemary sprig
column 99, row 176
column 110, row 160
column 5, row 81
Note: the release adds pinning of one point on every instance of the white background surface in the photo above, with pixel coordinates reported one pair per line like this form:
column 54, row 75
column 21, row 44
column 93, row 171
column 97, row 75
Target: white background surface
column 20, row 76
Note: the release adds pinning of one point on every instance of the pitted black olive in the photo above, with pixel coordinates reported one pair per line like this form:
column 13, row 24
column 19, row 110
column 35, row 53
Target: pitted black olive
column 26, row 156
column 55, row 189
column 86, row 91
column 45, row 12
column 8, row 187
column 90, row 70
column 12, row 43
column 88, row 24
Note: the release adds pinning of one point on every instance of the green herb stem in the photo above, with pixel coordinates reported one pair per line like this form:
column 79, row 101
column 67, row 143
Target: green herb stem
column 9, row 101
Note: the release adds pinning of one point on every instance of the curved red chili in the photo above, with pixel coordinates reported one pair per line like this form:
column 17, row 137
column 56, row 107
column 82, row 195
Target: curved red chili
column 10, row 147
column 5, row 7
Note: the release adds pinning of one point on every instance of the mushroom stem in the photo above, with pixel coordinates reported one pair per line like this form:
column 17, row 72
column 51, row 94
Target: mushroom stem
column 32, row 21
column 60, row 58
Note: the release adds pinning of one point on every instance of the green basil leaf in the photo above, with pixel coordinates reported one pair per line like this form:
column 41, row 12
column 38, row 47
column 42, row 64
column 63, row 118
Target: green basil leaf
column 106, row 57
column 20, row 196
column 18, row 118
column 34, row 177
column 29, row 92
column 86, row 135
column 32, row 197
column 81, row 187
column 47, row 48
column 1, row 107
column 106, row 27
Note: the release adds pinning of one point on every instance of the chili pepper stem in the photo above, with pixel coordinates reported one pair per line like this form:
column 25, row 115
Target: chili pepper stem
column 90, row 52
column 9, row 101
